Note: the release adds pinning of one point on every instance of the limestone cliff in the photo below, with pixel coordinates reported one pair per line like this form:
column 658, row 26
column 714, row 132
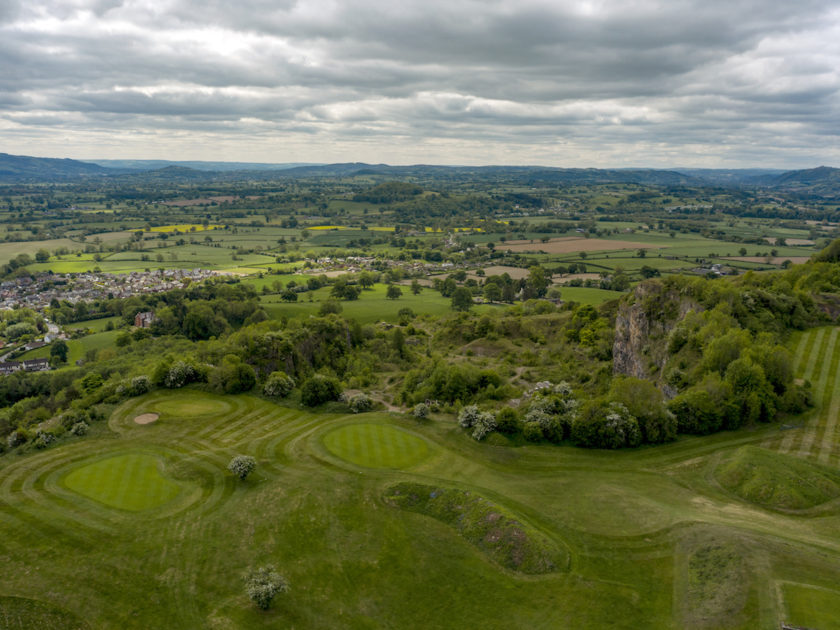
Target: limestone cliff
column 642, row 325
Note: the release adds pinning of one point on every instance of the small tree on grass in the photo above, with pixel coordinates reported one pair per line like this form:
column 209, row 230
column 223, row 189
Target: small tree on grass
column 393, row 292
column 263, row 584
column 242, row 466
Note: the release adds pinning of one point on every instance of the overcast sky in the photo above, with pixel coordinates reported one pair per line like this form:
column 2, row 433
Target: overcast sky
column 566, row 83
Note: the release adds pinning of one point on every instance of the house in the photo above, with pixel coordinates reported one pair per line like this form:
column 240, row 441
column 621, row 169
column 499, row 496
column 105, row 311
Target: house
column 144, row 320
column 32, row 345
column 36, row 365
column 7, row 367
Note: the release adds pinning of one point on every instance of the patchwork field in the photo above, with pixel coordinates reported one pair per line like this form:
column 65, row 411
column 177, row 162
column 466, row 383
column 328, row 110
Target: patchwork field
column 378, row 520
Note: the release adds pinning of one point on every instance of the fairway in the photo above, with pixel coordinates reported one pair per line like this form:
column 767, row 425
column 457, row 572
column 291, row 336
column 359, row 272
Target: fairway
column 812, row 607
column 634, row 539
column 127, row 482
column 376, row 446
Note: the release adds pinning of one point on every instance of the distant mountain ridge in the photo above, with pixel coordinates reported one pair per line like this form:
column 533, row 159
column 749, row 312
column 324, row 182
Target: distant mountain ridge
column 822, row 182
column 22, row 167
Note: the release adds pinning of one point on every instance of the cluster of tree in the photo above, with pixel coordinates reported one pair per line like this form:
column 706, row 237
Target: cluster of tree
column 388, row 192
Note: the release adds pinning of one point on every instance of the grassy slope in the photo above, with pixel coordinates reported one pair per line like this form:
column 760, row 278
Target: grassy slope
column 626, row 518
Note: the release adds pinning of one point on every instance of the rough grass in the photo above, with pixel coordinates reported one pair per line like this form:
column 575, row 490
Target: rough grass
column 777, row 481
column 376, row 446
column 492, row 529
column 19, row 613
column 127, row 482
column 718, row 585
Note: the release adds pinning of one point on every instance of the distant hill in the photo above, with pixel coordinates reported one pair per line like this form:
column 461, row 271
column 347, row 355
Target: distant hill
column 23, row 168
column 823, row 181
column 221, row 167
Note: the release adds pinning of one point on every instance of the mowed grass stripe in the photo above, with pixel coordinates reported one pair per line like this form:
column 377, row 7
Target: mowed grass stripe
column 813, row 347
column 826, row 387
column 829, row 423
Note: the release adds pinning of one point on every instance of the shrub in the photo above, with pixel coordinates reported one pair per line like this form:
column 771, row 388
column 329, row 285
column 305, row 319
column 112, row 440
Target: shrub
column 319, row 389
column 359, row 403
column 180, row 374
column 139, row 385
column 507, row 421
column 467, row 416
column 532, row 432
column 16, row 438
column 603, row 425
column 43, row 439
column 79, row 429
column 278, row 385
column 263, row 584
column 484, row 424
column 420, row 411
column 242, row 465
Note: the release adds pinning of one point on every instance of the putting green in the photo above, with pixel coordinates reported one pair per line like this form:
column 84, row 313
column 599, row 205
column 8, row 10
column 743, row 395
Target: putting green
column 192, row 406
column 376, row 446
column 128, row 482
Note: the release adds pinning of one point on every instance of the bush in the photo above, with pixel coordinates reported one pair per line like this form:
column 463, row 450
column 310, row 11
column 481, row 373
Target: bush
column 242, row 465
column 507, row 421
column 603, row 425
column 79, row 429
column 485, row 423
column 180, row 374
column 139, row 385
column 16, row 438
column 467, row 416
column 263, row 584
column 44, row 438
column 532, row 432
column 420, row 411
column 278, row 385
column 319, row 389
column 359, row 403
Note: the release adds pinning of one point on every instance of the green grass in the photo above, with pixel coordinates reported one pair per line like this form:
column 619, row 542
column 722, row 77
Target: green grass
column 127, row 482
column 376, row 446
column 777, row 481
column 811, row 607
column 484, row 524
column 630, row 527
column 18, row 613
column 78, row 348
column 584, row 295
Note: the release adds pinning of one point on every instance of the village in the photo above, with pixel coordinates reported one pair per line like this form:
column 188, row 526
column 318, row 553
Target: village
column 38, row 291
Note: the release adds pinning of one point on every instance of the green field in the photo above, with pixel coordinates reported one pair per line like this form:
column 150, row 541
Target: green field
column 127, row 482
column 143, row 526
column 376, row 446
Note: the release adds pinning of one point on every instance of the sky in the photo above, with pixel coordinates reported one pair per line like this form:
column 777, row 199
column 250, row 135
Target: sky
column 572, row 83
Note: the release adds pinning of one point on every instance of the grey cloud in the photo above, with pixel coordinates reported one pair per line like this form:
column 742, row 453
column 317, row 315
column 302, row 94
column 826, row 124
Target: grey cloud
column 684, row 73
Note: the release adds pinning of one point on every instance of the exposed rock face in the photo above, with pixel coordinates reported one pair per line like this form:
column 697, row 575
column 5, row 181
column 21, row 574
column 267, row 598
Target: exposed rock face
column 642, row 325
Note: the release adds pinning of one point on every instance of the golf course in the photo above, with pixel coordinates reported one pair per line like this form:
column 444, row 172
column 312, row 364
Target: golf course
column 379, row 520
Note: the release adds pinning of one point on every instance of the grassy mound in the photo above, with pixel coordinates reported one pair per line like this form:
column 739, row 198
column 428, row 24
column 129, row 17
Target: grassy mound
column 777, row 481
column 376, row 446
column 128, row 482
column 486, row 525
column 19, row 613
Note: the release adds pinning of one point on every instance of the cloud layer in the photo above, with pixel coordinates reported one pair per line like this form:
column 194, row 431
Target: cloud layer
column 569, row 83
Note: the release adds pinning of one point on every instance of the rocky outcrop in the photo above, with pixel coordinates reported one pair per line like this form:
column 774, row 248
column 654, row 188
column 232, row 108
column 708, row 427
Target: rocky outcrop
column 642, row 325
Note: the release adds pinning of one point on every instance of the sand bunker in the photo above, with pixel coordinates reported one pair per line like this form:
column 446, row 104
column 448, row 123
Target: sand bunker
column 146, row 418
